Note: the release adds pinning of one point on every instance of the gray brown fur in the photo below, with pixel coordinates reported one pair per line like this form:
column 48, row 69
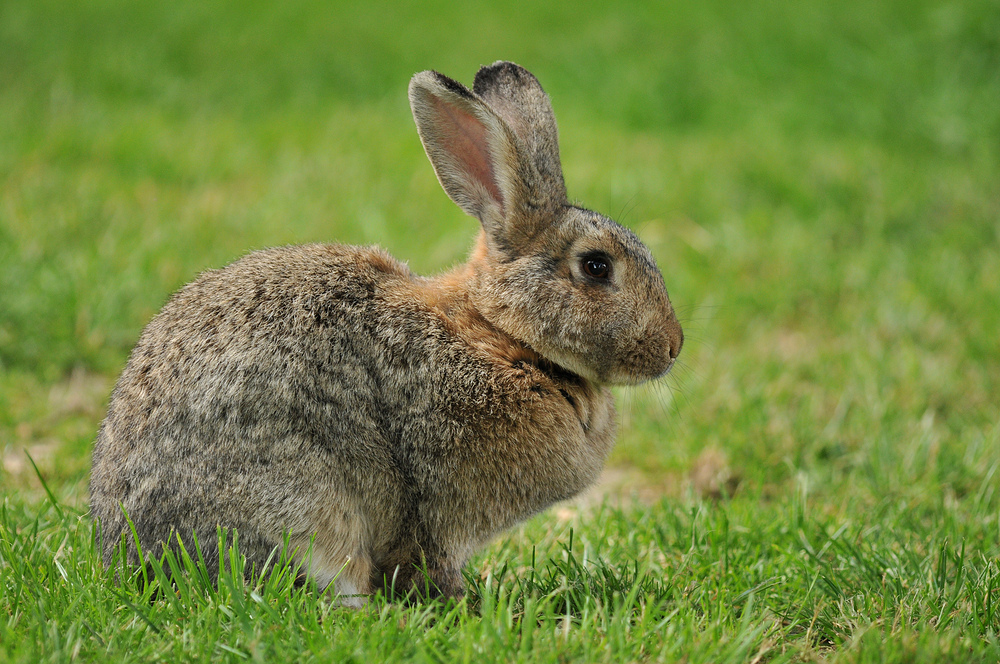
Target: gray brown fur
column 327, row 394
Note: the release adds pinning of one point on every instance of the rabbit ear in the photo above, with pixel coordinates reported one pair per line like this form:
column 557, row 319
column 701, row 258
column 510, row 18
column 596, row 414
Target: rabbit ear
column 478, row 158
column 517, row 97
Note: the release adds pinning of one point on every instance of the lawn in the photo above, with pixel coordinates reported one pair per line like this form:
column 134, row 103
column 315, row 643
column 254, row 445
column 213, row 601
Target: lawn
column 820, row 183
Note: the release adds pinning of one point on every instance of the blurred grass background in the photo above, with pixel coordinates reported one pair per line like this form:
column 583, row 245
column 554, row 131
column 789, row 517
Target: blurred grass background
column 819, row 182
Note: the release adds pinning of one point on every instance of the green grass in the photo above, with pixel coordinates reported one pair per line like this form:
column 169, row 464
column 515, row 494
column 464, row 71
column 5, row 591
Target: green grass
column 820, row 182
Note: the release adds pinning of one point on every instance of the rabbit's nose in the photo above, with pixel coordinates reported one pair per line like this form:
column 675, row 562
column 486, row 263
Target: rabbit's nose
column 675, row 339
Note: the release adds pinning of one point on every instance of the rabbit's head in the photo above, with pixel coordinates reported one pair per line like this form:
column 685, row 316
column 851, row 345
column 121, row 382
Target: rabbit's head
column 575, row 286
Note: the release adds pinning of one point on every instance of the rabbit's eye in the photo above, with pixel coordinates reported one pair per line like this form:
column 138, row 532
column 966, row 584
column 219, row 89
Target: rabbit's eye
column 596, row 267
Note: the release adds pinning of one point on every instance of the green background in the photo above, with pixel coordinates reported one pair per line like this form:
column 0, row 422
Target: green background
column 819, row 182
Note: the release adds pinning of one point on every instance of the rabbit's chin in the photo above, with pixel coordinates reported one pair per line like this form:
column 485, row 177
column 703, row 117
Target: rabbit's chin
column 580, row 369
column 628, row 378
column 616, row 375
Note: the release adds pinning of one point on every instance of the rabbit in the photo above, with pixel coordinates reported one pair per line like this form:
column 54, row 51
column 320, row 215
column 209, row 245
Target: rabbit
column 384, row 425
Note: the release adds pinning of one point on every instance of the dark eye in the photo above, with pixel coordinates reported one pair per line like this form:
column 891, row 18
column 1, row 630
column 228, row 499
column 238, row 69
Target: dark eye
column 597, row 267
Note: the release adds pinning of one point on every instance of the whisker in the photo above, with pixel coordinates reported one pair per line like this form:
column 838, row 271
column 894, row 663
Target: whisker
column 625, row 211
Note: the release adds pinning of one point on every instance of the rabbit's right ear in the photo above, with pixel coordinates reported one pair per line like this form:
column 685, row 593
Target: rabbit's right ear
column 474, row 153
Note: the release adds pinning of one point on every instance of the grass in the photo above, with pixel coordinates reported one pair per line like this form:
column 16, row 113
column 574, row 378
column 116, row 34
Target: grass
column 674, row 581
column 819, row 481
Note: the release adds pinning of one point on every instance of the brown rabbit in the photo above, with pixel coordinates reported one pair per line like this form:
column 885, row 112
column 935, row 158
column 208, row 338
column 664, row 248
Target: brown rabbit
column 390, row 424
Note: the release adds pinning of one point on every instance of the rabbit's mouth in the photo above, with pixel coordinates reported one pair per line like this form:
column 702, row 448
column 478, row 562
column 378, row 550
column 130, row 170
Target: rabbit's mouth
column 647, row 358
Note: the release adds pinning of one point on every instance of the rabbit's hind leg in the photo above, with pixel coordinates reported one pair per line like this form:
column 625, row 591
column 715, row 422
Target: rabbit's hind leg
column 337, row 554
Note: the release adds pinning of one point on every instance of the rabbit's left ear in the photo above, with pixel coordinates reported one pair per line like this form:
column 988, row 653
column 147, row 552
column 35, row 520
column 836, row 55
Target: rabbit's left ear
column 517, row 97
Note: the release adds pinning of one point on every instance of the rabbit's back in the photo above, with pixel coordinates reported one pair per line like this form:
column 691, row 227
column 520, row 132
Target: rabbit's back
column 247, row 395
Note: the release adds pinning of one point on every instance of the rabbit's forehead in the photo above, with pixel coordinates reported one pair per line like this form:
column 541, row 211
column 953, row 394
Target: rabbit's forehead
column 592, row 231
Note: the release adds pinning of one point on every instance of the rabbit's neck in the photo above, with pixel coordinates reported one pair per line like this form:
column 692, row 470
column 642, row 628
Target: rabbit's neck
column 449, row 295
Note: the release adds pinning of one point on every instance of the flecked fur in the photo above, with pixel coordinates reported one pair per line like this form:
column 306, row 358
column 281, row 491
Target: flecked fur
column 383, row 421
